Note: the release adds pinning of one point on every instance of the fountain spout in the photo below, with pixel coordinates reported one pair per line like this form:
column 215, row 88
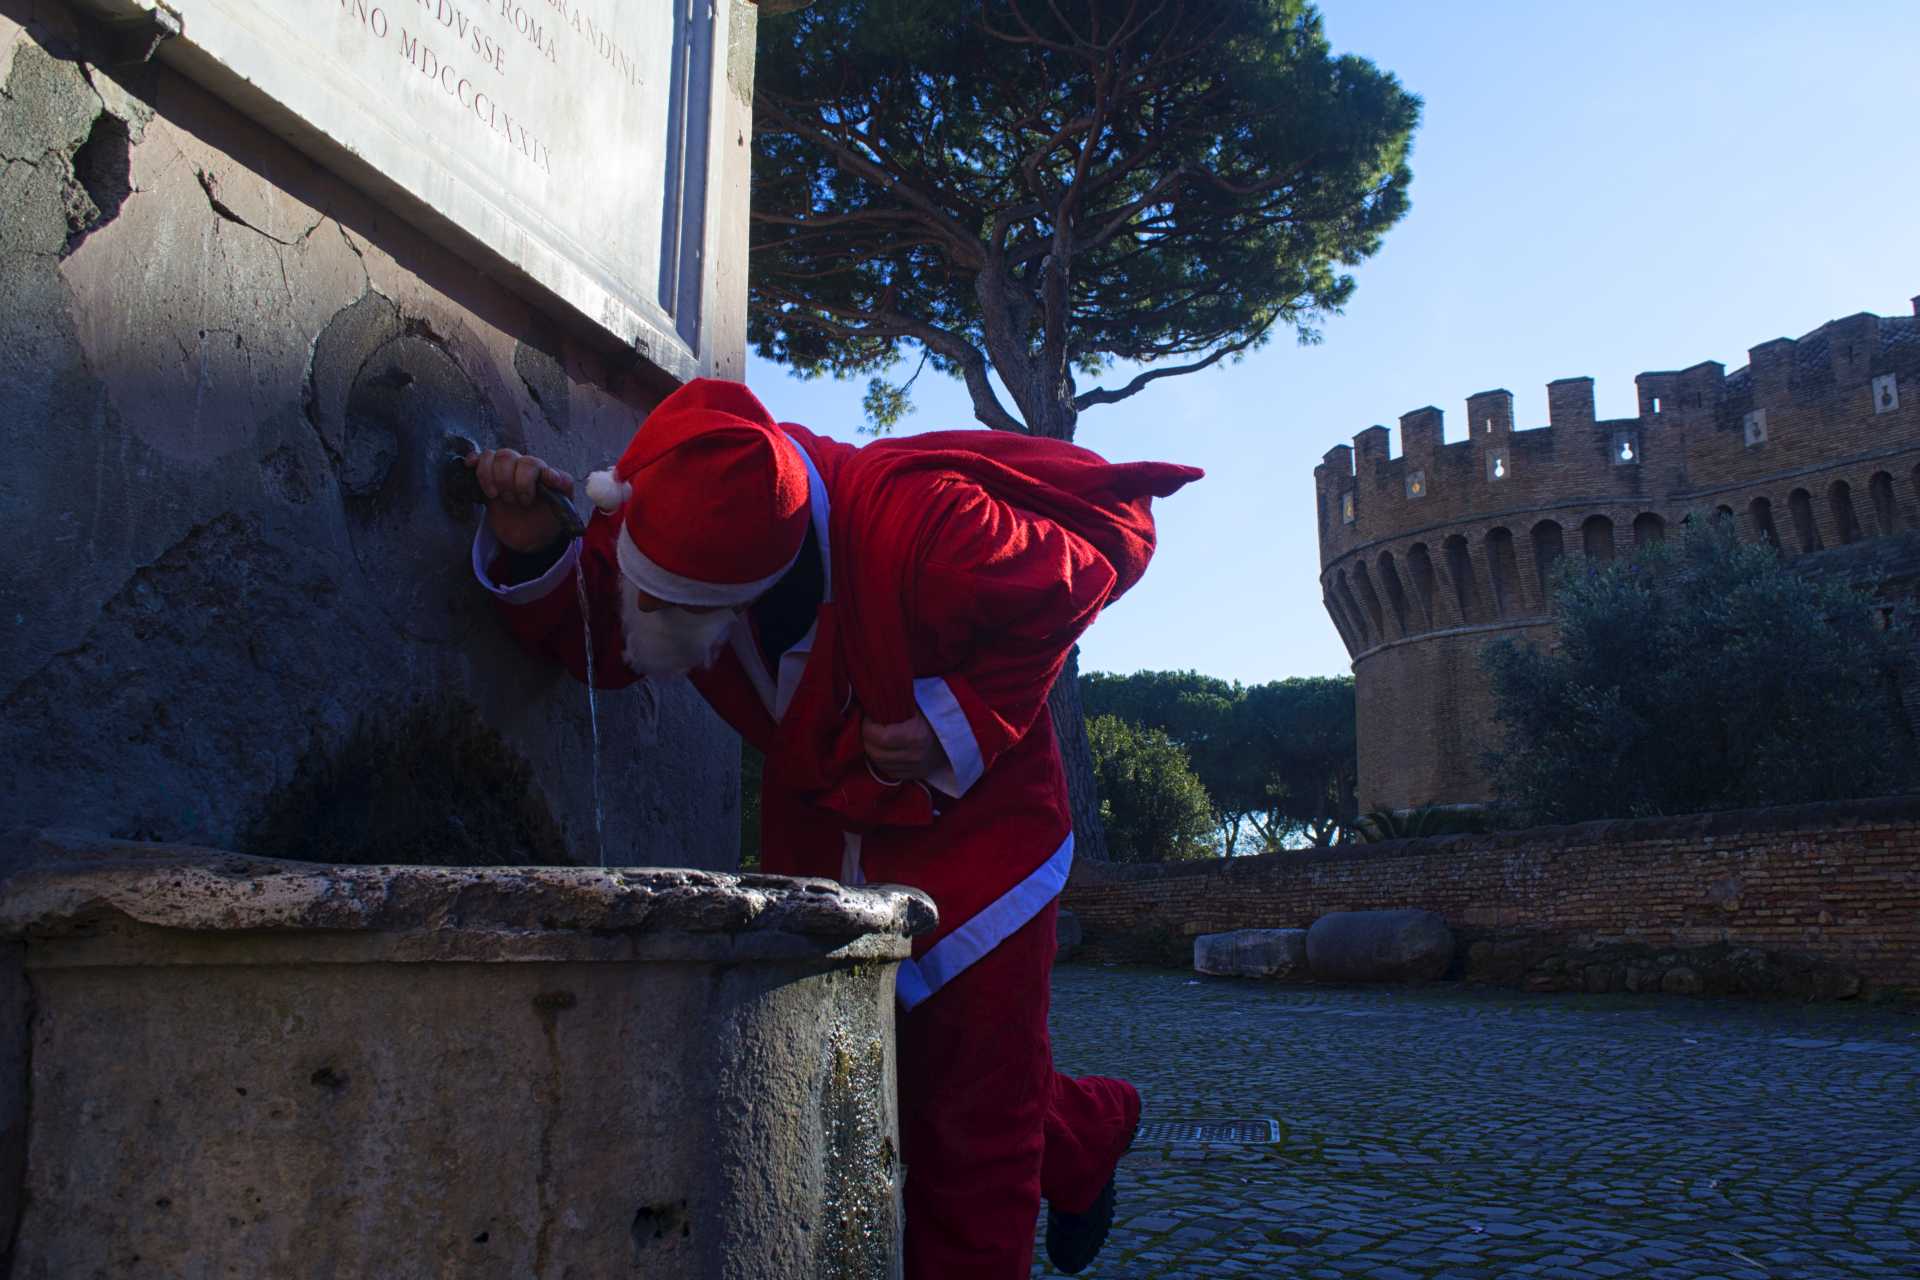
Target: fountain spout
column 460, row 489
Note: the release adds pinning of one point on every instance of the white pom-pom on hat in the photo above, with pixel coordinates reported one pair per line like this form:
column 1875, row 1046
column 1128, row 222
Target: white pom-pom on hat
column 607, row 493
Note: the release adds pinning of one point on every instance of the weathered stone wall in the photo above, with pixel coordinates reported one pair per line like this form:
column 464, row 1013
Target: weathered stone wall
column 1428, row 556
column 1837, row 883
column 16, row 1008
column 225, row 379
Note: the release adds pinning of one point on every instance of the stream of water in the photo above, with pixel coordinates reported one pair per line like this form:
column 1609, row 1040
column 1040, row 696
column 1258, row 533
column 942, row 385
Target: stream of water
column 593, row 716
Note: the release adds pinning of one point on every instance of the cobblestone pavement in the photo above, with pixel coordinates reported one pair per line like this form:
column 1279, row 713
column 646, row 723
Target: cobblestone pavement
column 1456, row 1132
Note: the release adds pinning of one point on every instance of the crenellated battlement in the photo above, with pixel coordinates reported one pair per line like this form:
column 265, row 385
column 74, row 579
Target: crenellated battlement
column 1430, row 553
column 1695, row 428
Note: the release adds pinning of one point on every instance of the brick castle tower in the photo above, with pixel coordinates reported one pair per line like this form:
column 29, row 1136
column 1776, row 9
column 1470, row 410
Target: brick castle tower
column 1814, row 447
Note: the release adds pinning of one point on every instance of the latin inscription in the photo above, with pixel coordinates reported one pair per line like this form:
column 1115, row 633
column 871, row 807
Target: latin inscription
column 566, row 142
column 472, row 53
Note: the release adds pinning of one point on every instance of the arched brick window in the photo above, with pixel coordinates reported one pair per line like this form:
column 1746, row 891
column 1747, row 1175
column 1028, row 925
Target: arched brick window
column 1339, row 615
column 1886, row 512
column 1355, row 617
column 1596, row 538
column 1460, row 569
column 1396, row 594
column 1504, row 568
column 1761, row 513
column 1648, row 529
column 1800, row 504
column 1369, row 598
column 1420, row 569
column 1549, row 544
column 1840, row 503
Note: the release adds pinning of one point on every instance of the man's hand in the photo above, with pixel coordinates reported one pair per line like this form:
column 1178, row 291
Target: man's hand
column 905, row 750
column 519, row 517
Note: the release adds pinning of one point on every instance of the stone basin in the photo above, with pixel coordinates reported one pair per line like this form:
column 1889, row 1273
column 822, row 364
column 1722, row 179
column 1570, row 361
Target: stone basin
column 243, row 1066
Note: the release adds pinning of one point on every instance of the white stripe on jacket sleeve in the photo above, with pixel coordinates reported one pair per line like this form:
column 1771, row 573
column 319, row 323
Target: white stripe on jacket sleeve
column 486, row 547
column 942, row 710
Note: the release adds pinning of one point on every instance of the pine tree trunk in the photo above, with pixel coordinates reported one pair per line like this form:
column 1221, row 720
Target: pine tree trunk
column 1053, row 417
column 1070, row 730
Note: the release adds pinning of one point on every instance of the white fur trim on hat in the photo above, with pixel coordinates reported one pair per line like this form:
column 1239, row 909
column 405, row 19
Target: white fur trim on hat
column 674, row 589
column 605, row 492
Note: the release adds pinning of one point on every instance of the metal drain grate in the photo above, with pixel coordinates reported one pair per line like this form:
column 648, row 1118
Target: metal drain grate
column 1239, row 1132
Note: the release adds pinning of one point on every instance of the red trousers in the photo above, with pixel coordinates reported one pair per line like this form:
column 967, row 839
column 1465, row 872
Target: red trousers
column 988, row 1127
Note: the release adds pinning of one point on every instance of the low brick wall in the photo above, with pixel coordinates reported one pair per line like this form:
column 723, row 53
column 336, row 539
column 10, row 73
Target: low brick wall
column 1837, row 882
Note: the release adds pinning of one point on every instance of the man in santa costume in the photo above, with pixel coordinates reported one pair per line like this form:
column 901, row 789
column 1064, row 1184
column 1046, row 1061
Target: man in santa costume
column 883, row 624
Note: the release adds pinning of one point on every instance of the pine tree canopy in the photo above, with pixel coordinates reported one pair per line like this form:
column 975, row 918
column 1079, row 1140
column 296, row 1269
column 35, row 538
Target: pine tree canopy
column 1045, row 189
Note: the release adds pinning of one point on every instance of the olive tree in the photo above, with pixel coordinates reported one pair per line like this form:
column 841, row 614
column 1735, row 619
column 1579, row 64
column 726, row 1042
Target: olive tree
column 1702, row 673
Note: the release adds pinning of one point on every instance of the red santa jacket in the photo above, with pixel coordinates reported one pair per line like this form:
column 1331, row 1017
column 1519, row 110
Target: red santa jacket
column 960, row 569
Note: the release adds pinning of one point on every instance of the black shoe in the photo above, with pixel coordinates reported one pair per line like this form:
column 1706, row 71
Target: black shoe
column 1074, row 1239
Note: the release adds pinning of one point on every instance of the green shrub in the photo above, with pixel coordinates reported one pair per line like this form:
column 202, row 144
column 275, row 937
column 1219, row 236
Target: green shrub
column 1152, row 805
column 1701, row 673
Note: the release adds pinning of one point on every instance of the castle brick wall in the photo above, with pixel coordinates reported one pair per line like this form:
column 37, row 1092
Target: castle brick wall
column 1428, row 555
column 1838, row 882
column 1425, row 712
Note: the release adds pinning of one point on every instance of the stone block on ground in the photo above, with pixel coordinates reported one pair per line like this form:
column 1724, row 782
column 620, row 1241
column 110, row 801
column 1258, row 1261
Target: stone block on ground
column 1379, row 946
column 1067, row 934
column 1251, row 953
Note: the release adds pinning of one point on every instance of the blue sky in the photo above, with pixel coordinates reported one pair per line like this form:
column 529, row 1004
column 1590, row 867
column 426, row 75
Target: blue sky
column 1598, row 190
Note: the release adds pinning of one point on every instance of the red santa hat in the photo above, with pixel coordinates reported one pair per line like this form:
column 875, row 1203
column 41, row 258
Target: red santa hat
column 711, row 498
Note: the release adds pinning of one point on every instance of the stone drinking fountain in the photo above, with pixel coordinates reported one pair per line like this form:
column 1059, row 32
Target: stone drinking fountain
column 258, row 269
column 242, row 1066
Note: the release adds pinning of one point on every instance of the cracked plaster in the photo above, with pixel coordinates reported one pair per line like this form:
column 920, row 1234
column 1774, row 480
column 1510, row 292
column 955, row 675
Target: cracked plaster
column 197, row 600
column 221, row 324
column 118, row 102
column 12, row 36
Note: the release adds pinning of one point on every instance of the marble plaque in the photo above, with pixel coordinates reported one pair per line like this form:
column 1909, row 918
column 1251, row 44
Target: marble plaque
column 568, row 140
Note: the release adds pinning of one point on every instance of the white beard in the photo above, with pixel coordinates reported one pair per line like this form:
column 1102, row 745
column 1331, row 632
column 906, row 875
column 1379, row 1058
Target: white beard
column 671, row 641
